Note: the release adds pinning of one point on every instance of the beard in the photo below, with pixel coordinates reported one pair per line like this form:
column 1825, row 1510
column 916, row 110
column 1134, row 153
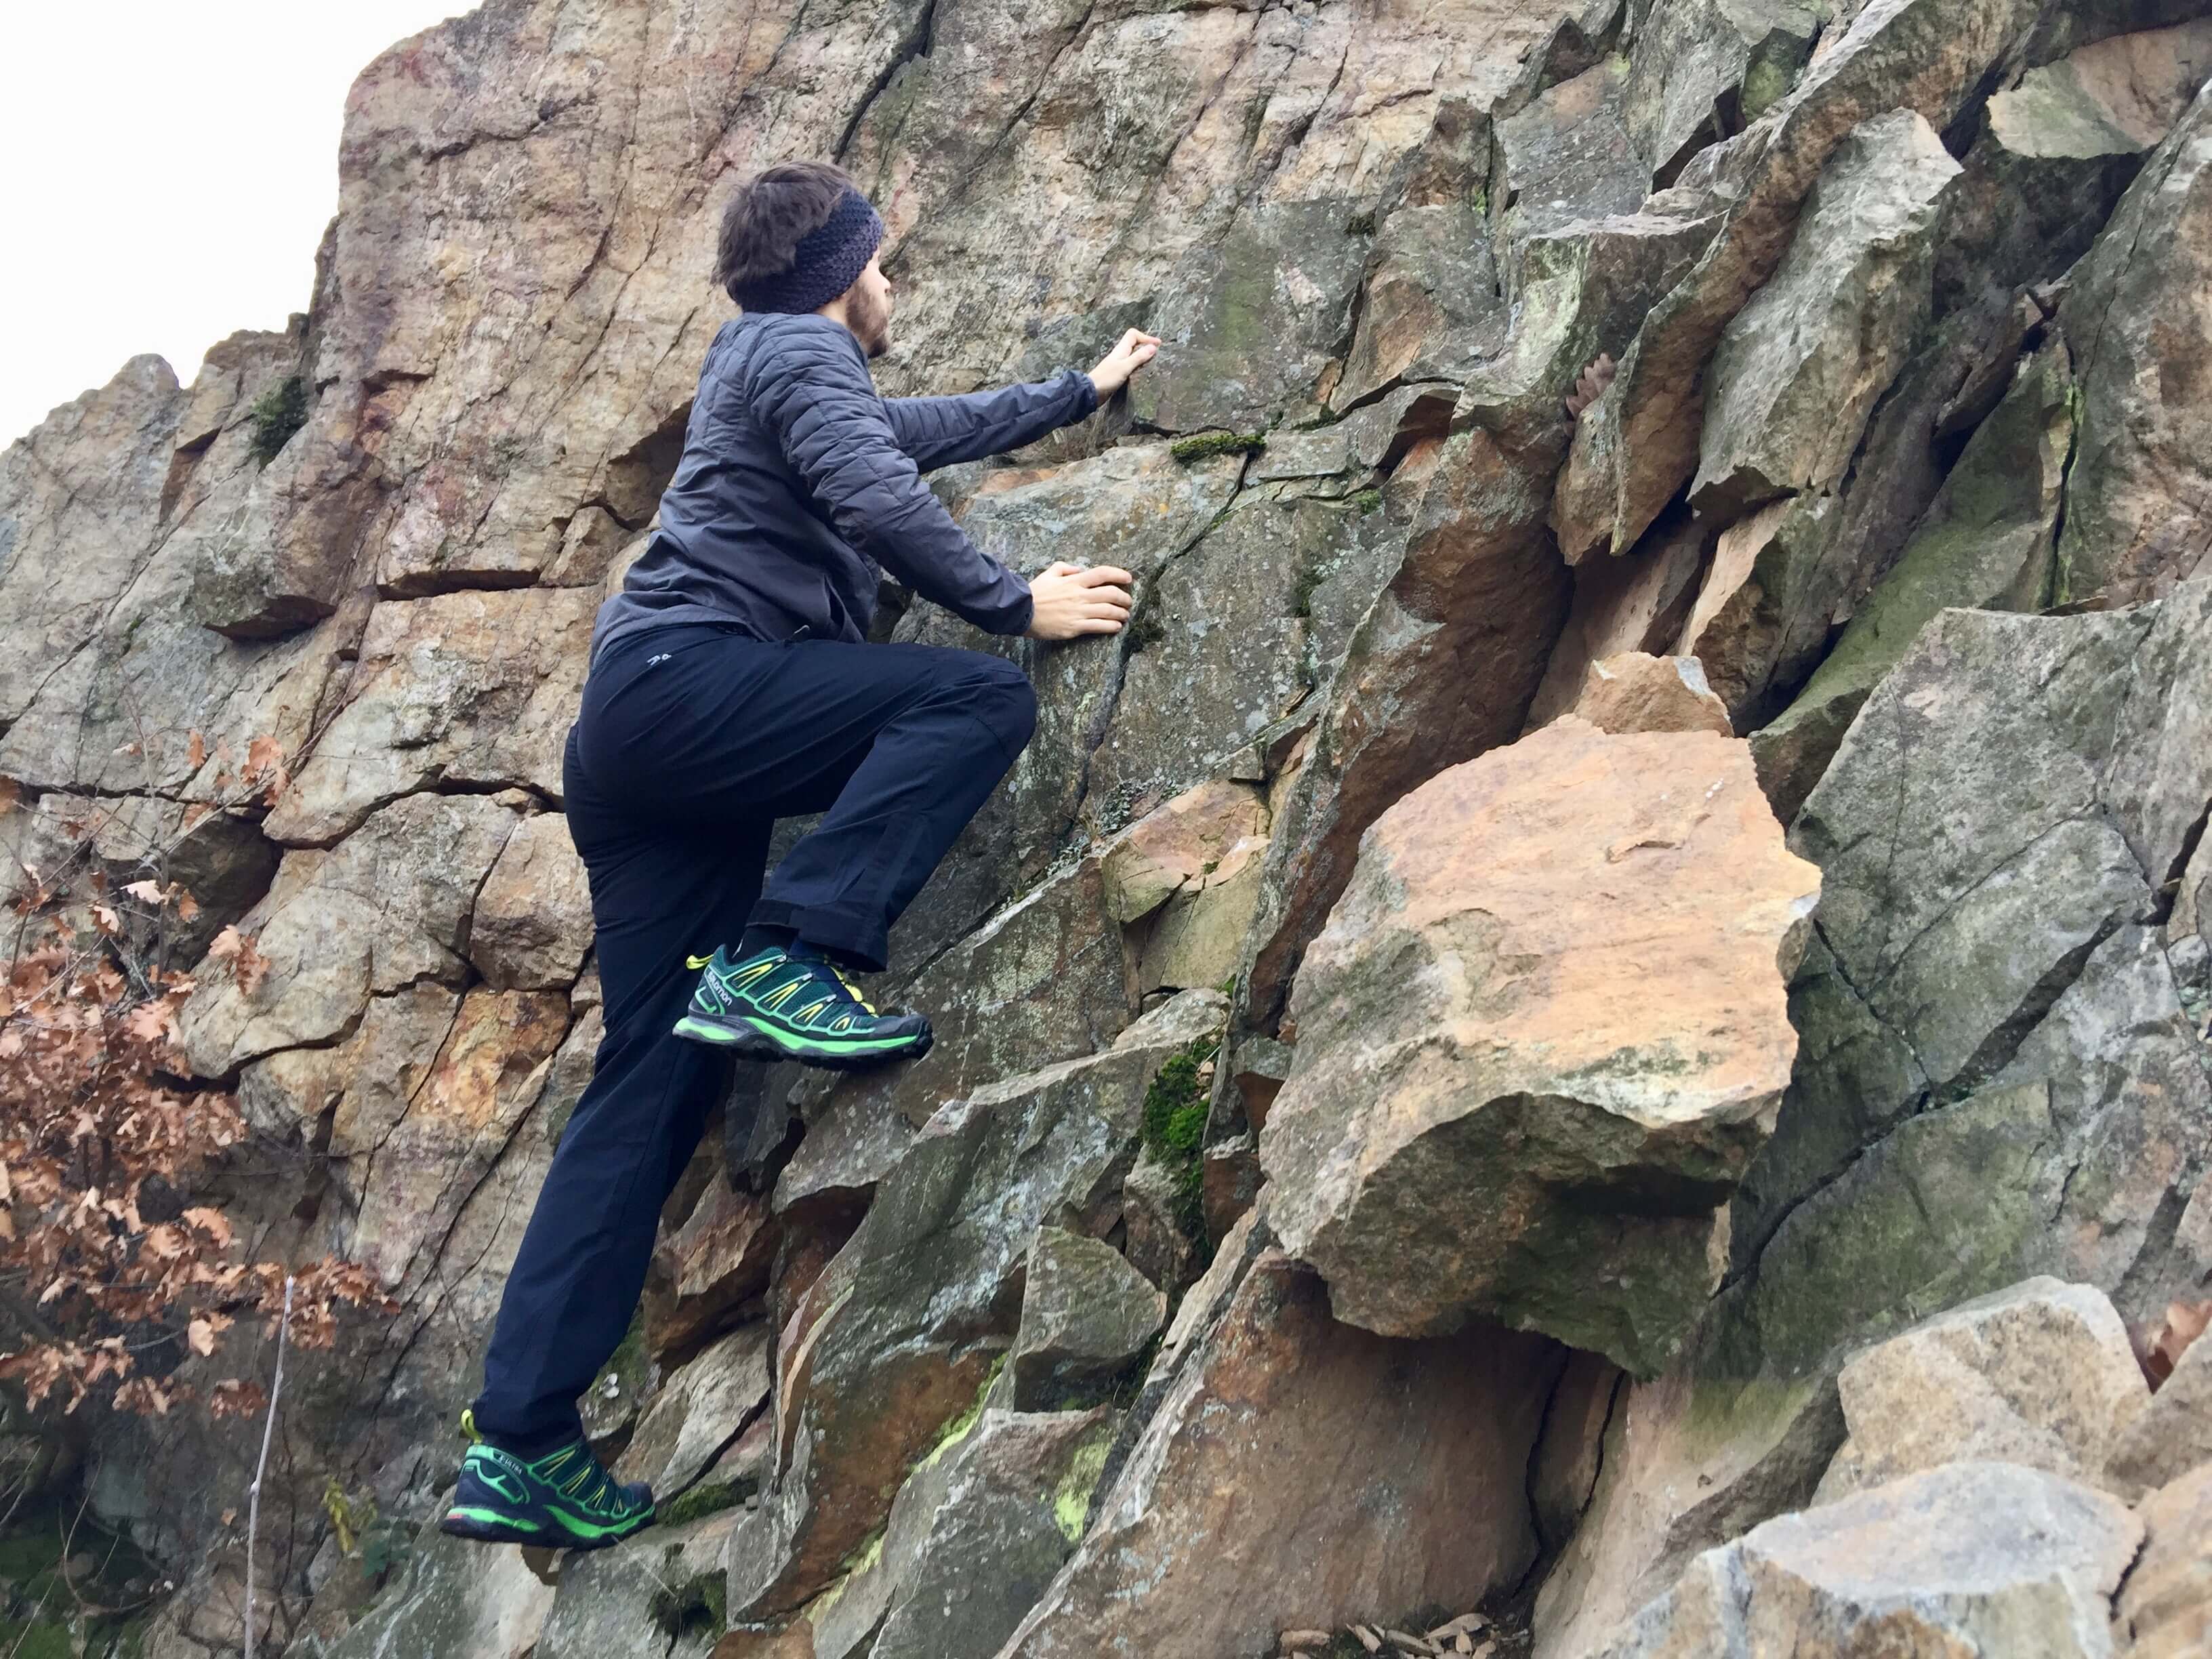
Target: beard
column 872, row 323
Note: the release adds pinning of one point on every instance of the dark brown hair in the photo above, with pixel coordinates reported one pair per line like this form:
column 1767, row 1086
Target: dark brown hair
column 767, row 214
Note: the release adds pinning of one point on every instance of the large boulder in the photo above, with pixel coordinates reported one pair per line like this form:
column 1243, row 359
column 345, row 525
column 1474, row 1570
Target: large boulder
column 1983, row 1558
column 1466, row 1054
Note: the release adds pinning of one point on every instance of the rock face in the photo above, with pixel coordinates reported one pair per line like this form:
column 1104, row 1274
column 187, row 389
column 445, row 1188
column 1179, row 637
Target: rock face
column 1279, row 981
column 1975, row 1557
column 2134, row 522
column 1795, row 374
column 1265, row 1466
column 1462, row 1031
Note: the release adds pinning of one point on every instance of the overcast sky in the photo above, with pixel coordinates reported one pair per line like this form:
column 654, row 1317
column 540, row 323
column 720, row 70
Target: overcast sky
column 166, row 171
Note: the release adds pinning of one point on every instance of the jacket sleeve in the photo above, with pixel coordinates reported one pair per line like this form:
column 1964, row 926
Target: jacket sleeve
column 813, row 392
column 941, row 431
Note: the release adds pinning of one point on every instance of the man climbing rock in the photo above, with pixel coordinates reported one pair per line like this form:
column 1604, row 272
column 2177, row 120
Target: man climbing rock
column 730, row 684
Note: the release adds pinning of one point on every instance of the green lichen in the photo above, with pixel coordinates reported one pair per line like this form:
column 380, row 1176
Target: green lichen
column 1360, row 224
column 963, row 1426
column 1071, row 1500
column 1175, row 1130
column 1204, row 445
column 707, row 1498
column 277, row 414
column 1367, row 500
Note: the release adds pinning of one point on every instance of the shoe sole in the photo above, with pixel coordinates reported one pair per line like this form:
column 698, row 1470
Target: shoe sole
column 756, row 1039
column 487, row 1530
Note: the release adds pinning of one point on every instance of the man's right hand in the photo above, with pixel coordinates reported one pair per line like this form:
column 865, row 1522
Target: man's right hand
column 1071, row 600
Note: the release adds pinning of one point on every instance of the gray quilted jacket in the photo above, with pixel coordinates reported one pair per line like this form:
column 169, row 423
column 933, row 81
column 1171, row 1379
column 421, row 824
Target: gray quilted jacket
column 798, row 480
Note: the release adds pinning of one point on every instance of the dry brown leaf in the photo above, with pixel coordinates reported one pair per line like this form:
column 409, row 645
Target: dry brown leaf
column 195, row 750
column 146, row 892
column 201, row 1335
column 1590, row 384
column 2184, row 1323
column 10, row 793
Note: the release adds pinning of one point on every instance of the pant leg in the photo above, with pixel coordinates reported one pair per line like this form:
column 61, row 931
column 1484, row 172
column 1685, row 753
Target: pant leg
column 656, row 899
column 935, row 761
column 909, row 739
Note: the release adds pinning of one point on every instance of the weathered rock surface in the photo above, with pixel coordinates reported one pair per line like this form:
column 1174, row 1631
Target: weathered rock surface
column 387, row 908
column 976, row 1533
column 1086, row 1314
column 2041, row 1375
column 1796, row 372
column 1639, row 442
column 1985, row 543
column 1995, row 1076
column 2135, row 518
column 905, row 1327
column 1267, row 1492
column 2165, row 1609
column 456, row 1601
column 2173, row 1434
column 476, row 690
column 1983, row 1558
column 1461, row 1031
column 531, row 922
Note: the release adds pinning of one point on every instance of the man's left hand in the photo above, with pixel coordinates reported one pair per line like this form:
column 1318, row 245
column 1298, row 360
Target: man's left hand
column 1133, row 353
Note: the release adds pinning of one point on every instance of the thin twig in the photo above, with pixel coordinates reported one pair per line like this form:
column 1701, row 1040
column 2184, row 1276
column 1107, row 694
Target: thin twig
column 268, row 1429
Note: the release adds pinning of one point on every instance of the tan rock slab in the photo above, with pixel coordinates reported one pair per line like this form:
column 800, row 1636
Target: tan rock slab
column 1973, row 1558
column 2165, row 1609
column 2041, row 1375
column 1556, row 980
column 532, row 921
column 2172, row 1434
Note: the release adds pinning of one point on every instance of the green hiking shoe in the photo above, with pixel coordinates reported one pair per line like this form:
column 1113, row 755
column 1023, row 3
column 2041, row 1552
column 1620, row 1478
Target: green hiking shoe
column 779, row 1004
column 563, row 1500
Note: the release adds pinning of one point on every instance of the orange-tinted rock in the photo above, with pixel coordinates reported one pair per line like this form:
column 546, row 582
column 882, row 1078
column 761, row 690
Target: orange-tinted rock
column 1637, row 692
column 1547, row 1018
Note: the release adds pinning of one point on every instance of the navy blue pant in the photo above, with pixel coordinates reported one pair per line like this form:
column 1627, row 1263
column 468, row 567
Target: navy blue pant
column 691, row 742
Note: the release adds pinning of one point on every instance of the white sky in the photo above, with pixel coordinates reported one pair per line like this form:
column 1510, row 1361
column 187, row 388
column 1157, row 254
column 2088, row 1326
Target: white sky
column 166, row 171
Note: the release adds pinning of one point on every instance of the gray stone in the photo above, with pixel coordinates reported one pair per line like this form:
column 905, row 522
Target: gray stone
column 531, row 923
column 389, row 906
column 1973, row 1558
column 2134, row 522
column 474, row 688
column 1687, row 59
column 1986, row 543
column 80, row 504
column 977, row 1532
column 1267, row 1492
column 1567, row 157
column 1796, row 373
column 2114, row 97
column 699, row 1412
column 903, row 1332
column 456, row 1601
column 654, row 1598
column 2041, row 1375
column 1086, row 1313
column 2173, row 1434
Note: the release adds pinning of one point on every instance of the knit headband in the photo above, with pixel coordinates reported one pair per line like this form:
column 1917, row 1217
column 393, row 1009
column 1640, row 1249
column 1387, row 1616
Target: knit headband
column 827, row 261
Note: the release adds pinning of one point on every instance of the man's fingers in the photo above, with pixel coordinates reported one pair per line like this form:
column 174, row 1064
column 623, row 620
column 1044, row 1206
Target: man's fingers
column 1098, row 574
column 1099, row 625
column 1061, row 568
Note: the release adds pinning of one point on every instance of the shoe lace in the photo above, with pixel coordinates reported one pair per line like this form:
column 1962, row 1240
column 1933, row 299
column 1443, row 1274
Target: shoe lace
column 851, row 989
